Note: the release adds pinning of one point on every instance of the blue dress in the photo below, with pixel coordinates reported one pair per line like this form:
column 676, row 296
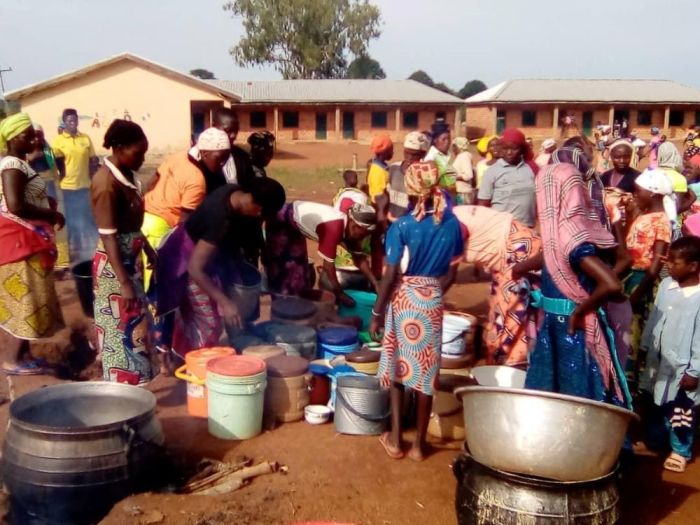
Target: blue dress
column 560, row 362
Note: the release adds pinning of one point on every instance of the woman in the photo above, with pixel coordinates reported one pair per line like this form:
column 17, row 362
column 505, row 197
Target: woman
column 621, row 176
column 488, row 149
column 439, row 153
column 546, row 149
column 670, row 162
column 181, row 183
column 648, row 239
column 413, row 328
column 121, row 314
column 509, row 185
column 286, row 258
column 198, row 261
column 574, row 354
column 464, row 171
column 495, row 241
column 29, row 307
column 262, row 149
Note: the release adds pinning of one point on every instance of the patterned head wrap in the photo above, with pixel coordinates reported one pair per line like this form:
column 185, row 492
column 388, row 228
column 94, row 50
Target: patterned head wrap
column 213, row 139
column 423, row 181
column 669, row 157
column 416, row 141
column 573, row 155
column 461, row 143
column 363, row 215
column 12, row 126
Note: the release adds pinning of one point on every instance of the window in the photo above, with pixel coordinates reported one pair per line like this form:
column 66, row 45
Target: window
column 440, row 115
column 676, row 118
column 258, row 119
column 379, row 119
column 290, row 119
column 529, row 118
column 410, row 119
column 644, row 117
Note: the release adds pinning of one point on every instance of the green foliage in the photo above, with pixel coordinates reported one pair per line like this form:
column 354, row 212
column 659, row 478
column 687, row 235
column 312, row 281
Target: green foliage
column 304, row 38
column 365, row 67
column 203, row 74
column 471, row 88
column 443, row 87
column 422, row 77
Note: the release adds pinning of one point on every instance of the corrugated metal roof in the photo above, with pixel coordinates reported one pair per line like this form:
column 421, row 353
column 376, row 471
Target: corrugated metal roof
column 336, row 91
column 552, row 90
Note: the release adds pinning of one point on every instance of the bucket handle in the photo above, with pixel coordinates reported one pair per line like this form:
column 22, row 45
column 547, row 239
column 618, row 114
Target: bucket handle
column 190, row 378
column 375, row 419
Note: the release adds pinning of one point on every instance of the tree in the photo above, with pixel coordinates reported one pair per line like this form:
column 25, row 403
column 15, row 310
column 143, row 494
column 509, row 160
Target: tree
column 304, row 38
column 365, row 67
column 471, row 88
column 422, row 77
column 203, row 74
column 443, row 87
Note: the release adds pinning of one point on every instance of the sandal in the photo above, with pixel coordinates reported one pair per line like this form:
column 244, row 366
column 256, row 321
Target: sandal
column 391, row 451
column 675, row 463
column 27, row 368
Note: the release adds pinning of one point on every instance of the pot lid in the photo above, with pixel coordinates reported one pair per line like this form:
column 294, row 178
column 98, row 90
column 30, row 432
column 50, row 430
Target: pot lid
column 287, row 366
column 364, row 355
column 279, row 332
column 294, row 308
column 236, row 365
column 338, row 336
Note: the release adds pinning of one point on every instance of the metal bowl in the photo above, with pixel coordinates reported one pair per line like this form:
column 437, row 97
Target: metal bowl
column 543, row 434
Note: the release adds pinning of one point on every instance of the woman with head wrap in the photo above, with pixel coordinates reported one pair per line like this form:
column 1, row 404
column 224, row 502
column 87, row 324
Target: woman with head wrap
column 464, row 170
column 671, row 163
column 488, row 149
column 285, row 255
column 622, row 175
column 574, row 354
column 509, row 185
column 439, row 153
column 409, row 304
column 262, row 149
column 546, row 150
column 29, row 308
column 378, row 174
column 648, row 239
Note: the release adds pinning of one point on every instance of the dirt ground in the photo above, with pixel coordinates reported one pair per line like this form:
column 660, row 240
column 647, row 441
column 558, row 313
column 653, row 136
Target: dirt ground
column 332, row 478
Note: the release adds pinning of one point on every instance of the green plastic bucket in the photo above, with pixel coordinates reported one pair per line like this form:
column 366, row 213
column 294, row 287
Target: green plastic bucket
column 236, row 387
column 364, row 302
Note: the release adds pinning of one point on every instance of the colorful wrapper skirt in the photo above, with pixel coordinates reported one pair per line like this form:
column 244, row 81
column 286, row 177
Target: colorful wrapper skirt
column 413, row 335
column 122, row 335
column 29, row 306
column 510, row 320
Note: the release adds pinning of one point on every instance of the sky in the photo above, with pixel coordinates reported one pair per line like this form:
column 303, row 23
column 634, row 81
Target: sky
column 454, row 41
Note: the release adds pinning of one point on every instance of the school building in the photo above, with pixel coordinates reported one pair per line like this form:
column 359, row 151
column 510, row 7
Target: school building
column 539, row 107
column 172, row 107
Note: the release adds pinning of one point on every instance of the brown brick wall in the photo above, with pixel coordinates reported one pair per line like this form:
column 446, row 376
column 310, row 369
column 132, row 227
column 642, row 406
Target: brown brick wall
column 479, row 121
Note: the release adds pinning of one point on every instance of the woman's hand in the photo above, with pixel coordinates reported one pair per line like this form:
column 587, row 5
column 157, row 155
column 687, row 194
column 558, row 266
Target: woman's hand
column 129, row 299
column 577, row 321
column 376, row 328
column 58, row 220
column 345, row 300
column 689, row 383
column 231, row 314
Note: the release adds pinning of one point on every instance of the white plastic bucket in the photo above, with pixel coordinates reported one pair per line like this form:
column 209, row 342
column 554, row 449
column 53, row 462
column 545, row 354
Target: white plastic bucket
column 454, row 331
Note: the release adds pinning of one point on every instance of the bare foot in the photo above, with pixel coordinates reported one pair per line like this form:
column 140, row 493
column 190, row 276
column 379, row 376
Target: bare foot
column 417, row 453
column 392, row 450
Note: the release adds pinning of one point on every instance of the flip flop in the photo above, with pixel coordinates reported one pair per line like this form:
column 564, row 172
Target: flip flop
column 675, row 463
column 388, row 448
column 27, row 368
column 418, row 457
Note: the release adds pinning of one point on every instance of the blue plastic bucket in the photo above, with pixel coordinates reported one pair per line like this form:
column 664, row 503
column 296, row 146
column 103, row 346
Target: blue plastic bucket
column 364, row 302
column 336, row 341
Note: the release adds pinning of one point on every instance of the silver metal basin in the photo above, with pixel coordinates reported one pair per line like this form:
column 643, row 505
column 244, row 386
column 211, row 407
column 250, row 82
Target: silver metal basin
column 542, row 434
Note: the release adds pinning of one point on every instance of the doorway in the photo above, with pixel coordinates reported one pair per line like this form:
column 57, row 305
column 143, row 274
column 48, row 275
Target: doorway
column 348, row 125
column 321, row 126
column 621, row 123
column 587, row 123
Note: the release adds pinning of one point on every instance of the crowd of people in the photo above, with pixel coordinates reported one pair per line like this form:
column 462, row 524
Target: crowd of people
column 595, row 273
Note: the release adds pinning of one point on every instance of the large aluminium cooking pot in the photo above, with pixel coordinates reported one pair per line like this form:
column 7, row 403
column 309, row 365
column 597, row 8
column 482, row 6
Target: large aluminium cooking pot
column 542, row 434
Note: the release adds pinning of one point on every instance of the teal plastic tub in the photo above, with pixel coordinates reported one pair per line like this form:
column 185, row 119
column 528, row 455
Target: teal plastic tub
column 364, row 302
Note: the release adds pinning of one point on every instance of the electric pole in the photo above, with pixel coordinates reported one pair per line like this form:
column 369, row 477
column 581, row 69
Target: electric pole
column 2, row 82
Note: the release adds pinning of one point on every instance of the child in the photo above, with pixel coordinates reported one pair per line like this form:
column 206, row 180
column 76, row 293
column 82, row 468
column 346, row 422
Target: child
column 378, row 171
column 672, row 341
column 647, row 241
column 349, row 194
column 488, row 150
column 262, row 149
